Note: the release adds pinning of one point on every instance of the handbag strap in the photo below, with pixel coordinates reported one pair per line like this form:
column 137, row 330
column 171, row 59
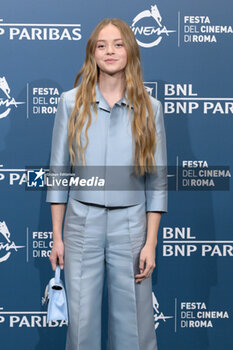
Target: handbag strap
column 57, row 274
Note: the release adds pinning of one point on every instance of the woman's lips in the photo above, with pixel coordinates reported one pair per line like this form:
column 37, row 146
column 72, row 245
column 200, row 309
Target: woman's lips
column 110, row 60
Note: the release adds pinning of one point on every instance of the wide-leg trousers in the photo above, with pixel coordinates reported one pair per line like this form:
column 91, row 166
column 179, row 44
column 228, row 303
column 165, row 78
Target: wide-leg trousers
column 95, row 236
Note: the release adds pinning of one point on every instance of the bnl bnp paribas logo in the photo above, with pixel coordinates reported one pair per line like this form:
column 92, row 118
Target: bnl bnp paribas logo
column 148, row 28
column 40, row 31
column 7, row 102
column 152, row 88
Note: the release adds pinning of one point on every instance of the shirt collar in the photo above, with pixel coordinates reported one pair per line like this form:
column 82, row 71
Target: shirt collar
column 103, row 103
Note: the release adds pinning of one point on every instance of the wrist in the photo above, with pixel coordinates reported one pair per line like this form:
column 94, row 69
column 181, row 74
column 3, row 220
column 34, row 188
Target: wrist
column 151, row 244
column 57, row 237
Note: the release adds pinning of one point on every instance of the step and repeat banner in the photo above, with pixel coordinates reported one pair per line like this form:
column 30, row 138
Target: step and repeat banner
column 186, row 53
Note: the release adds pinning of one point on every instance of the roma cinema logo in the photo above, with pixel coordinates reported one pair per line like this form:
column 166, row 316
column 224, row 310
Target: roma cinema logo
column 149, row 32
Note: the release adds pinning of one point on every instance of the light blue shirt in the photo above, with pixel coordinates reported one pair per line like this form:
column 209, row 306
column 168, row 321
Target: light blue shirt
column 110, row 152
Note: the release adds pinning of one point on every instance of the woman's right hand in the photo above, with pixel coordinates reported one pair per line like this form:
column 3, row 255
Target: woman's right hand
column 57, row 254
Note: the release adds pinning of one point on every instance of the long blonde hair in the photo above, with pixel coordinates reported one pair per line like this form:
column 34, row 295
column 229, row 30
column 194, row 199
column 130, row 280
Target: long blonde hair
column 143, row 129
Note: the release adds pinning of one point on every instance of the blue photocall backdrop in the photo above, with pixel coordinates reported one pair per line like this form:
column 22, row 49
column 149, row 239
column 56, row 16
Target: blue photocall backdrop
column 186, row 52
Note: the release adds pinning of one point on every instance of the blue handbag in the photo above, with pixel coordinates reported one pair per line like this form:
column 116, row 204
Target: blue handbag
column 55, row 297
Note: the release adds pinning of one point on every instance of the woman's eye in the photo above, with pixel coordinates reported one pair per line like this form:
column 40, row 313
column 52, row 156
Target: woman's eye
column 101, row 46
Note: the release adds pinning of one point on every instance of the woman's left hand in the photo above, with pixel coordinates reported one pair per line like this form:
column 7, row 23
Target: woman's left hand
column 146, row 263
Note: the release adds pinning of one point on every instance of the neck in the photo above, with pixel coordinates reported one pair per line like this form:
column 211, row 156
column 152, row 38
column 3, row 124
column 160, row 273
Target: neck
column 112, row 84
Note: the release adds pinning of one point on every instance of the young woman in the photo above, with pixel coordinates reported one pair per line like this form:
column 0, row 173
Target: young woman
column 109, row 120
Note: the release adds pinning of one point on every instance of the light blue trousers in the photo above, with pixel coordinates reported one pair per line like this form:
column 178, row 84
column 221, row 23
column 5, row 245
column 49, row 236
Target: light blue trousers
column 94, row 236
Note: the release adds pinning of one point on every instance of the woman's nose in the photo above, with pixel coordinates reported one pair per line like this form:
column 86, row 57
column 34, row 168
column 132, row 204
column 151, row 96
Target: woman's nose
column 110, row 48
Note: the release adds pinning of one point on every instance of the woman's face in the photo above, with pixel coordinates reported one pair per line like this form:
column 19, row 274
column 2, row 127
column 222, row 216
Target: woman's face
column 110, row 52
